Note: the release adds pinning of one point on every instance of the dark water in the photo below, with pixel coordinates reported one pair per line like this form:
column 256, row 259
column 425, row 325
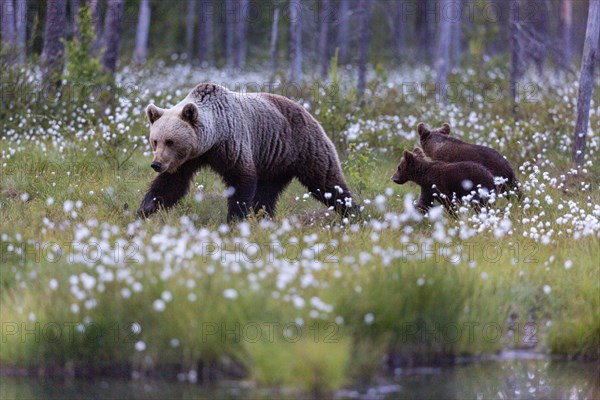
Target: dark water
column 520, row 379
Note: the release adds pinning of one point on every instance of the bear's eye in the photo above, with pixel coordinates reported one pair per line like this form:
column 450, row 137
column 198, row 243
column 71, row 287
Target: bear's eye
column 169, row 143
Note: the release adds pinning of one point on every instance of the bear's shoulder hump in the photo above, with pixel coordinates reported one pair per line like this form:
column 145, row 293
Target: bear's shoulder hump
column 204, row 91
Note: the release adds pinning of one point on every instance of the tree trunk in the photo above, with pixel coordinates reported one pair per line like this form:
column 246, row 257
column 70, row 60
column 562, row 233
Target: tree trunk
column 273, row 50
column 442, row 56
column 538, row 41
column 364, row 13
column 566, row 25
column 515, row 48
column 190, row 19
column 240, row 32
column 323, row 33
column 52, row 59
column 423, row 30
column 112, row 34
column 398, row 29
column 343, row 34
column 205, row 32
column 21, row 28
column 456, row 35
column 229, row 32
column 95, row 9
column 295, row 75
column 141, row 35
column 75, row 5
column 586, row 80
column 9, row 33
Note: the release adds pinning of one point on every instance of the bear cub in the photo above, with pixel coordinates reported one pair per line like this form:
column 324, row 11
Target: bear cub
column 446, row 182
column 439, row 146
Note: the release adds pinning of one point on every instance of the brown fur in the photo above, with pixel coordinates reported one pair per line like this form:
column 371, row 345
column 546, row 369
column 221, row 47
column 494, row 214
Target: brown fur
column 439, row 146
column 257, row 142
column 442, row 181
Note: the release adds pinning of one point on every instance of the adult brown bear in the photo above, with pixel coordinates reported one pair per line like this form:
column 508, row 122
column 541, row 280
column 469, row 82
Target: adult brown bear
column 257, row 142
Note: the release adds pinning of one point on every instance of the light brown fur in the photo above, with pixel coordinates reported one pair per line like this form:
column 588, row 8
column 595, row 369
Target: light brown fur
column 257, row 142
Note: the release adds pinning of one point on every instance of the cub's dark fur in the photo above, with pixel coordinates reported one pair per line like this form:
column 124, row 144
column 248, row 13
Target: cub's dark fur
column 439, row 146
column 443, row 181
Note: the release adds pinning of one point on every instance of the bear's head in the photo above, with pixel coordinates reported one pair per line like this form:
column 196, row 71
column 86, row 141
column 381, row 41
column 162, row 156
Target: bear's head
column 173, row 136
column 425, row 133
column 405, row 170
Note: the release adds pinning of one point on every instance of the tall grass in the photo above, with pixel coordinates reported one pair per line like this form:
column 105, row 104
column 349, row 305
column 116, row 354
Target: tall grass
column 305, row 301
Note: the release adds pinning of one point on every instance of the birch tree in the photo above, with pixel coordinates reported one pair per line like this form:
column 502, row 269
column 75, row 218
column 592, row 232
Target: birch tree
column 9, row 33
column 295, row 73
column 364, row 13
column 190, row 20
column 240, row 33
column 205, row 32
column 52, row 60
column 343, row 35
column 141, row 35
column 112, row 34
column 566, row 25
column 586, row 80
column 442, row 56
column 323, row 37
column 229, row 32
column 516, row 51
column 96, row 10
column 274, row 34
column 75, row 6
column 21, row 28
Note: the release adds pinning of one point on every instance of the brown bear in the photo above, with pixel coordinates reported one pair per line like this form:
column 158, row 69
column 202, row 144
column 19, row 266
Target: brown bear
column 257, row 142
column 446, row 182
column 438, row 145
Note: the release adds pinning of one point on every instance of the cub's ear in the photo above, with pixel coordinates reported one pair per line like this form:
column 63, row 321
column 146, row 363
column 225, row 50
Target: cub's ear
column 153, row 113
column 445, row 129
column 190, row 114
column 422, row 129
column 409, row 157
column 418, row 152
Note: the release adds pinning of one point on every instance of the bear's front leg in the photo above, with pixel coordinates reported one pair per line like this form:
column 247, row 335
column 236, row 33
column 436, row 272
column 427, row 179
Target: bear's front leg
column 240, row 202
column 425, row 201
column 167, row 189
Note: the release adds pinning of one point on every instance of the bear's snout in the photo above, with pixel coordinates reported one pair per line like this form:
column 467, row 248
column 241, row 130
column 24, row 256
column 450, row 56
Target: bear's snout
column 156, row 166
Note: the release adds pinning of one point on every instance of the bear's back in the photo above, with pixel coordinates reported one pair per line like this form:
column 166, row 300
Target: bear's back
column 455, row 150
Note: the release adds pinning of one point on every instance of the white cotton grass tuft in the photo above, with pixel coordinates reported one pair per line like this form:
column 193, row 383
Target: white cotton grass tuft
column 159, row 305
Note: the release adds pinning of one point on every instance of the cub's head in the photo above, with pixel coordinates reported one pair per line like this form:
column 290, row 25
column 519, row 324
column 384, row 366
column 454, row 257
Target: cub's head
column 173, row 136
column 406, row 167
column 425, row 133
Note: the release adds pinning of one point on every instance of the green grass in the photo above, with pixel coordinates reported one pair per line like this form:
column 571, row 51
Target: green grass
column 201, row 290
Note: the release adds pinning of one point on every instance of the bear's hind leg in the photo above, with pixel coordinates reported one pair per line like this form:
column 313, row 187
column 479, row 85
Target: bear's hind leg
column 267, row 194
column 167, row 189
column 240, row 201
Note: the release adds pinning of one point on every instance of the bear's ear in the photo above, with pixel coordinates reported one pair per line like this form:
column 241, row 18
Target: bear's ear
column 418, row 152
column 445, row 129
column 154, row 113
column 409, row 157
column 190, row 114
column 422, row 129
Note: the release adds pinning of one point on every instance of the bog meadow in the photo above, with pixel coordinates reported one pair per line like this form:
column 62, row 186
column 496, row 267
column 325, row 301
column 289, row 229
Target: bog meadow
column 501, row 302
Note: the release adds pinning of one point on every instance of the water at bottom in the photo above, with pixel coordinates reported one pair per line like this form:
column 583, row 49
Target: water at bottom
column 516, row 379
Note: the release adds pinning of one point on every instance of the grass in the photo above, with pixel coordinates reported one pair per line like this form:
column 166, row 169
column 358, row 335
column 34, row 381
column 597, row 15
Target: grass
column 305, row 301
